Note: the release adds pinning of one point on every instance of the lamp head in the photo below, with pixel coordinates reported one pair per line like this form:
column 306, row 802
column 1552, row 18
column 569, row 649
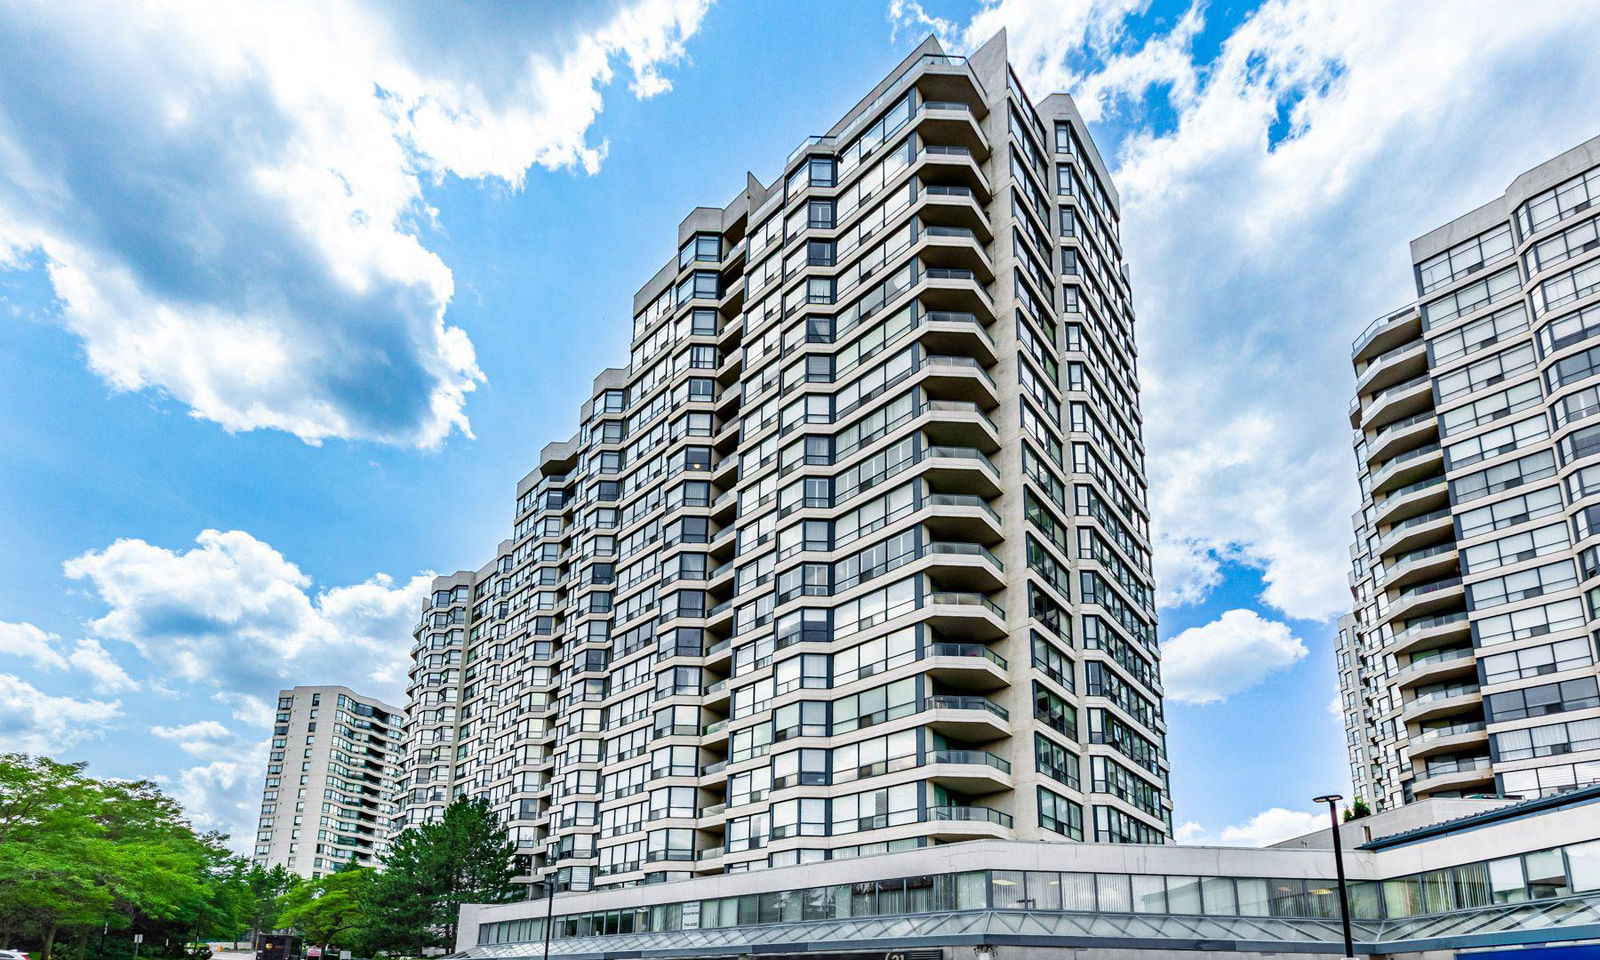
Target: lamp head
column 1328, row 798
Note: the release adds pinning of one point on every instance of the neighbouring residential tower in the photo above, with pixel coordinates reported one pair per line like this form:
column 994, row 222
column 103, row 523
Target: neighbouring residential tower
column 1468, row 664
column 853, row 555
column 330, row 788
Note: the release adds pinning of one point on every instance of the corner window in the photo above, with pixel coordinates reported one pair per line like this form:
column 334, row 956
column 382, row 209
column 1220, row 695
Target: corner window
column 819, row 215
column 701, row 248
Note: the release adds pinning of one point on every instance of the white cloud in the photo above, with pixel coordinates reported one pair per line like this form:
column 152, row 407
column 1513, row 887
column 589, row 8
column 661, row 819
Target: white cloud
column 27, row 642
column 224, row 795
column 203, row 738
column 48, row 651
column 1229, row 655
column 1267, row 827
column 107, row 675
column 228, row 197
column 1267, row 209
column 32, row 721
column 247, row 709
column 1185, row 571
column 235, row 614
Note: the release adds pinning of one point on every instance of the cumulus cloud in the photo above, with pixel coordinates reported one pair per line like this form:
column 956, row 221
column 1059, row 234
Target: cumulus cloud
column 27, row 642
column 1270, row 826
column 32, row 721
column 224, row 795
column 48, row 651
column 235, row 614
column 246, row 709
column 1268, row 201
column 1231, row 654
column 229, row 201
column 203, row 738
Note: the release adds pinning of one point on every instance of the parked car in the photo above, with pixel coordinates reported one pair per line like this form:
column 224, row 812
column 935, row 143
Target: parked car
column 13, row 955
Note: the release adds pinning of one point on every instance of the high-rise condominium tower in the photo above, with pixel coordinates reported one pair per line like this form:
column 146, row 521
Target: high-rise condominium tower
column 330, row 787
column 1468, row 666
column 852, row 556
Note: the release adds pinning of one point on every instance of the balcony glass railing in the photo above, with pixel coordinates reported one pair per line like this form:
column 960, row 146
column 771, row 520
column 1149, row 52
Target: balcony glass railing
column 1407, row 457
column 1411, row 488
column 966, row 650
column 1423, row 661
column 1428, row 623
column 1450, row 730
column 1444, row 693
column 963, row 814
column 967, row 600
column 966, row 550
column 1398, row 426
column 1432, row 586
column 970, row 757
column 968, row 703
column 1416, row 521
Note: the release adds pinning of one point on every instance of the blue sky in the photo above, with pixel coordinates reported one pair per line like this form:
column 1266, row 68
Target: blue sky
column 322, row 280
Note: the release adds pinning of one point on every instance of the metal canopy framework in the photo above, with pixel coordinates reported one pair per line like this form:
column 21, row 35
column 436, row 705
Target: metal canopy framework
column 1542, row 921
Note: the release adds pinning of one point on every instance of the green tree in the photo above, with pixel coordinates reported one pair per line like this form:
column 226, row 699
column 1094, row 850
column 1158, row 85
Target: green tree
column 431, row 870
column 327, row 910
column 1357, row 809
column 264, row 890
column 51, row 850
column 398, row 909
column 77, row 854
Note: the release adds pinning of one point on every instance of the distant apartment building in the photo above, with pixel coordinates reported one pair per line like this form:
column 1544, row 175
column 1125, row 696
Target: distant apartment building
column 329, row 793
column 1468, row 664
column 853, row 556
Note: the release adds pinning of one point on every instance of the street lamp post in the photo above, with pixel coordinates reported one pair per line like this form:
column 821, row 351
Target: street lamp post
column 549, row 910
column 1332, row 800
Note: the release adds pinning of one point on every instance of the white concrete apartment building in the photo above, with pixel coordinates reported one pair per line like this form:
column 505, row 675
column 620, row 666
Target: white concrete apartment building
column 1468, row 664
column 329, row 792
column 852, row 557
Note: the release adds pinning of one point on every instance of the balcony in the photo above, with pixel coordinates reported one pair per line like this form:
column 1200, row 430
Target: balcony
column 953, row 122
column 966, row 666
column 944, row 163
column 959, row 423
column 965, row 566
column 1423, row 496
column 962, row 516
column 1430, row 596
column 1393, row 366
column 961, row 822
column 1407, row 468
column 1420, row 566
column 1430, row 632
column 1461, row 775
column 1449, row 702
column 960, row 378
column 1386, row 333
column 975, row 772
column 1424, row 529
column 1402, row 435
column 1436, row 665
column 963, row 470
column 1404, row 399
column 969, row 616
column 1447, row 739
column 967, row 719
column 955, row 248
column 959, row 334
column 952, row 205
